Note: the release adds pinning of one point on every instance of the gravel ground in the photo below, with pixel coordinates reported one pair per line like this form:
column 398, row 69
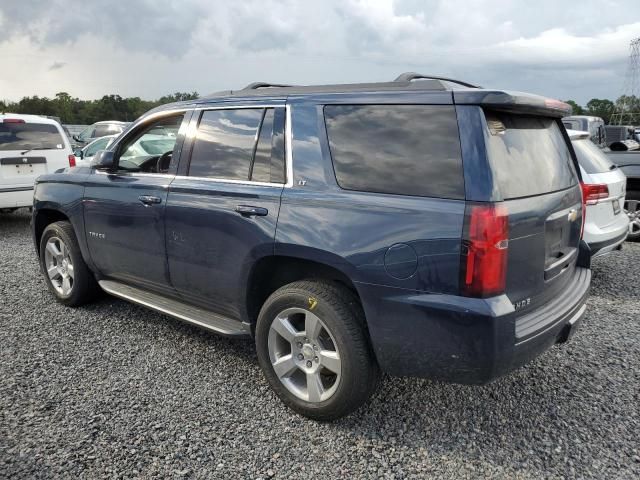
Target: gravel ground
column 114, row 390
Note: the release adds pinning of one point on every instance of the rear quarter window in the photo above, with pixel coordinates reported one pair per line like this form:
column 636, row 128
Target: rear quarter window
column 30, row 136
column 528, row 155
column 397, row 149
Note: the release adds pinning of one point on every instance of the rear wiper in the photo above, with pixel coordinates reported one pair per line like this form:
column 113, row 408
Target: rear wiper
column 26, row 151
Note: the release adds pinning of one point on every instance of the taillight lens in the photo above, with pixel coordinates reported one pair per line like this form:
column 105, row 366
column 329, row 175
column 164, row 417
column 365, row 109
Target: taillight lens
column 593, row 192
column 72, row 160
column 485, row 248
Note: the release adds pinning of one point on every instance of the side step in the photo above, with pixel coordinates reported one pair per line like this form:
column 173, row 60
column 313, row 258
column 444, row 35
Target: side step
column 177, row 309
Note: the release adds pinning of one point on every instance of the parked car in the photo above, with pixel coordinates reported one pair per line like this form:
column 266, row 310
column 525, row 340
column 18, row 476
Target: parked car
column 99, row 129
column 619, row 133
column 604, row 186
column 30, row 145
column 629, row 163
column 89, row 150
column 587, row 123
column 340, row 227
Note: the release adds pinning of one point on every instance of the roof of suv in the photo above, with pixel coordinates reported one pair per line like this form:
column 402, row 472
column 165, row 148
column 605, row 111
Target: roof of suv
column 28, row 118
column 463, row 93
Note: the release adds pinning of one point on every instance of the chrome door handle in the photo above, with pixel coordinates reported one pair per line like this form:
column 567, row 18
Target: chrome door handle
column 249, row 211
column 149, row 199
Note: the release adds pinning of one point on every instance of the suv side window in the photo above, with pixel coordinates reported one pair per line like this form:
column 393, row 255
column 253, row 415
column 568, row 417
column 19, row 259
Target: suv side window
column 150, row 150
column 239, row 144
column 398, row 149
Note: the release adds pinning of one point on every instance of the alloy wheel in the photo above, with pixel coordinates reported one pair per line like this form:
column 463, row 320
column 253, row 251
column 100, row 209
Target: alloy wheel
column 632, row 211
column 304, row 355
column 59, row 266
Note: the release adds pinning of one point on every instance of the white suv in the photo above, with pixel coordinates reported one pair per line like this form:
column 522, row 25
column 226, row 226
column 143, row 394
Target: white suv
column 30, row 146
column 603, row 187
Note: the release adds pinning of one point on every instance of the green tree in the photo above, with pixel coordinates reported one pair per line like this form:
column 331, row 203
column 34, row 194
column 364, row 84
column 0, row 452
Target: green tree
column 602, row 108
column 575, row 108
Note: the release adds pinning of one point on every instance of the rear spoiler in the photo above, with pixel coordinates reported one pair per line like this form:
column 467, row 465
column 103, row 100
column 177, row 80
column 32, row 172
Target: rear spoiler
column 514, row 102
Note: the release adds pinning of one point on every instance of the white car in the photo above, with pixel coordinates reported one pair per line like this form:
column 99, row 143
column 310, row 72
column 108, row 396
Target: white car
column 30, row 146
column 603, row 187
column 86, row 153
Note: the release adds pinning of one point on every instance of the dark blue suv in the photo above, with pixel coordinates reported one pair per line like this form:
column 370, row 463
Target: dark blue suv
column 422, row 227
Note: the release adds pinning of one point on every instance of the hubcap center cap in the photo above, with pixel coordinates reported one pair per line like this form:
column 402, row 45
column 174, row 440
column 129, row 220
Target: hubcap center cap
column 307, row 351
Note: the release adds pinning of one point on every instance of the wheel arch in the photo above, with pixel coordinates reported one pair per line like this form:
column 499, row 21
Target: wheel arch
column 42, row 218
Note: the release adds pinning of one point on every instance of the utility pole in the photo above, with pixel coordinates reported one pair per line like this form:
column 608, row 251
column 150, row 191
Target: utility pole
column 627, row 111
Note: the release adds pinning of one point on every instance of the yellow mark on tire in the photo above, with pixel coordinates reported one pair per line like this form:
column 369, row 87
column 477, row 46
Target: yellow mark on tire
column 313, row 303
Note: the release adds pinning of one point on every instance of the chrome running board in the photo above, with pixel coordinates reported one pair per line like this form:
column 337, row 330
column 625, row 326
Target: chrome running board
column 176, row 309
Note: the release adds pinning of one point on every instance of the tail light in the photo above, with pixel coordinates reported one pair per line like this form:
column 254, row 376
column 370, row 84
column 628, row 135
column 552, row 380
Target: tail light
column 594, row 192
column 72, row 160
column 484, row 252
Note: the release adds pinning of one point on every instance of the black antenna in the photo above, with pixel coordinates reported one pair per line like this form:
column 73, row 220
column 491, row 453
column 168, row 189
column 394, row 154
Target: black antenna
column 409, row 76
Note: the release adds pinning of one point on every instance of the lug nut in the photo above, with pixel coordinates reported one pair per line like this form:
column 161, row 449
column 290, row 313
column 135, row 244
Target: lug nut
column 316, row 359
column 299, row 344
column 306, row 340
column 300, row 356
column 309, row 363
column 315, row 347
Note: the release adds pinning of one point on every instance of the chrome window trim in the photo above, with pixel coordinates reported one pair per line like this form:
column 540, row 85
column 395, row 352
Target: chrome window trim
column 288, row 143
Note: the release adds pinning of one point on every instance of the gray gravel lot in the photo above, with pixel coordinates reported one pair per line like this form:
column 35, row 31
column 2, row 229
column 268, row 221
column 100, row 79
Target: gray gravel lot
column 114, row 390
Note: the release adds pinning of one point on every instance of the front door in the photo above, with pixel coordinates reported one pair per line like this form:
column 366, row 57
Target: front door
column 124, row 208
column 221, row 214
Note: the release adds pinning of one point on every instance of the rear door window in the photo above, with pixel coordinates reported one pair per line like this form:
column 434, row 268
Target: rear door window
column 590, row 157
column 397, row 149
column 529, row 155
column 29, row 136
column 240, row 144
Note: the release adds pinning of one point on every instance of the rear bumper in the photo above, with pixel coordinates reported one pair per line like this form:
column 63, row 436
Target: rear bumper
column 13, row 197
column 466, row 340
column 607, row 246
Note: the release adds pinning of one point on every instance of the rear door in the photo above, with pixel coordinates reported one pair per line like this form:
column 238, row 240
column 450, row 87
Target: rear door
column 28, row 150
column 535, row 175
column 222, row 211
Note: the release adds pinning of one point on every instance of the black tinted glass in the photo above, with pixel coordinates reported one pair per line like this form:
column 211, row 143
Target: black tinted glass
column 262, row 163
column 590, row 157
column 400, row 149
column 224, row 143
column 529, row 155
column 35, row 136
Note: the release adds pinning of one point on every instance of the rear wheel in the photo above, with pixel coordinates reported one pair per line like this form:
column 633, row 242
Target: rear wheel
column 66, row 273
column 313, row 349
column 632, row 209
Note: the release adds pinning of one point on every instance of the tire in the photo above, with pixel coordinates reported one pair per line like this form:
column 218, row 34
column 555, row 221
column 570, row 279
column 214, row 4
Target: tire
column 68, row 263
column 304, row 356
column 634, row 226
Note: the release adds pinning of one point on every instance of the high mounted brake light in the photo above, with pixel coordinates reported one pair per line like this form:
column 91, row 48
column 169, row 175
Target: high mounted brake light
column 13, row 120
column 484, row 250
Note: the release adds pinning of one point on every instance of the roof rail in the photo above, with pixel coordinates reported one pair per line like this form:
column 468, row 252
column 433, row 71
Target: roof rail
column 409, row 76
column 257, row 85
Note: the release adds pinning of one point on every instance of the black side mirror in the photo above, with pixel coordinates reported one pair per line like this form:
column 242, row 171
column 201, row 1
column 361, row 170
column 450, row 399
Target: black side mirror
column 103, row 160
column 76, row 138
column 78, row 153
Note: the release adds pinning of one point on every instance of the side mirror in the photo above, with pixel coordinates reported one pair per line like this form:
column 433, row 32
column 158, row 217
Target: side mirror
column 78, row 153
column 76, row 138
column 103, row 160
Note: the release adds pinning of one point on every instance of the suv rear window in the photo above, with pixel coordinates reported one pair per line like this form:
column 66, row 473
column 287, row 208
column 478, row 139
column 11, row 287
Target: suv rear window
column 29, row 136
column 399, row 149
column 590, row 157
column 529, row 155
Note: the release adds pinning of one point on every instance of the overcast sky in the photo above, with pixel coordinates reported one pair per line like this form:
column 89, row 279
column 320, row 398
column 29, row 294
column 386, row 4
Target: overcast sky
column 147, row 48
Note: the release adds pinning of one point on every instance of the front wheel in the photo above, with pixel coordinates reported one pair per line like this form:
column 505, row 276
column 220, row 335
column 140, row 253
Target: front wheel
column 632, row 209
column 314, row 351
column 66, row 273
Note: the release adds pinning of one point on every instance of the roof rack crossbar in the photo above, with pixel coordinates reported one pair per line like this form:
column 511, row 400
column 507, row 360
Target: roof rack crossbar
column 257, row 85
column 409, row 76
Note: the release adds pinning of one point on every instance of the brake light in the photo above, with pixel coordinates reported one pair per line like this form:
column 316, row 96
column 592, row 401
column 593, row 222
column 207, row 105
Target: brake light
column 13, row 120
column 485, row 247
column 593, row 192
column 72, row 160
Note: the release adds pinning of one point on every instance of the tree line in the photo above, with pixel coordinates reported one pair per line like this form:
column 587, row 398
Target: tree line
column 604, row 108
column 72, row 110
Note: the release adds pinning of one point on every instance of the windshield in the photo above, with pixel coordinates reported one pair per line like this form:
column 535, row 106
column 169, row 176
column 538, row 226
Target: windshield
column 590, row 157
column 29, row 136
